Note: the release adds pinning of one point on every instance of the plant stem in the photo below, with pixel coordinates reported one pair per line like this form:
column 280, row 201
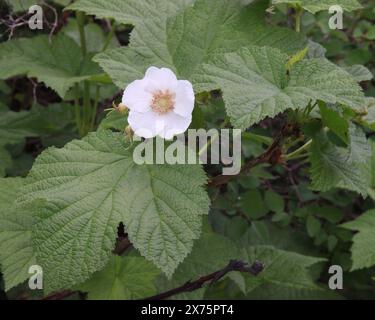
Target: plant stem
column 81, row 28
column 110, row 36
column 86, row 107
column 94, row 110
column 77, row 109
column 233, row 265
column 309, row 108
column 86, row 117
column 298, row 15
column 298, row 152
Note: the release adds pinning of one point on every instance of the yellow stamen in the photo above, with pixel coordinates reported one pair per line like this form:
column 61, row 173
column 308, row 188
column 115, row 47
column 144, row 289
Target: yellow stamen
column 163, row 102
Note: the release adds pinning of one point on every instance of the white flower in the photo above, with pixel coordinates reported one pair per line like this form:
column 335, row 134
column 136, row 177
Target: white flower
column 159, row 104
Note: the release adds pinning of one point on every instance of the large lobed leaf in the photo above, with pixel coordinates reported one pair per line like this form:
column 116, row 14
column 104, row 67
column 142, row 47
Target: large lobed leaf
column 197, row 33
column 15, row 126
column 16, row 251
column 93, row 184
column 130, row 11
column 359, row 73
column 363, row 248
column 283, row 270
column 338, row 167
column 255, row 83
column 315, row 6
column 58, row 64
column 124, row 278
column 21, row 5
column 148, row 41
column 210, row 253
column 39, row 121
column 5, row 161
column 177, row 35
column 17, row 6
column 200, row 43
column 369, row 118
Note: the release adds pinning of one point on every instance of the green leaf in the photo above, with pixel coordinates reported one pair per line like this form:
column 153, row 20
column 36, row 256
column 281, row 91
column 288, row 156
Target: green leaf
column 358, row 56
column 363, row 248
column 269, row 234
column 9, row 188
column 359, row 73
column 224, row 25
column 269, row 292
column 281, row 217
column 274, row 201
column 369, row 118
column 359, row 148
column 253, row 205
column 187, row 38
column 16, row 251
column 22, row 5
column 148, row 44
column 337, row 167
column 210, row 253
column 329, row 213
column 315, row 50
column 114, row 120
column 58, row 64
column 93, row 184
column 95, row 36
column 5, row 161
column 63, row 3
column 312, row 225
column 331, row 242
column 124, row 278
column 130, row 11
column 39, row 121
column 255, row 84
column 314, row 6
column 283, row 269
column 372, row 161
column 333, row 119
column 370, row 35
column 16, row 126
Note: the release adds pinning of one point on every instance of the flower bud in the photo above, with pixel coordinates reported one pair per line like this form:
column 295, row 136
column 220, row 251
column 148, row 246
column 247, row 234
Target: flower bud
column 122, row 108
column 129, row 132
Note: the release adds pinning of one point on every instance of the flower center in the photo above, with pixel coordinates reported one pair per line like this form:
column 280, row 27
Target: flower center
column 163, row 102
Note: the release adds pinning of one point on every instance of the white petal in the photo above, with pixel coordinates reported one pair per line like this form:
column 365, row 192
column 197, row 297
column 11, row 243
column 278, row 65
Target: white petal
column 160, row 79
column 145, row 125
column 174, row 124
column 136, row 97
column 184, row 100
